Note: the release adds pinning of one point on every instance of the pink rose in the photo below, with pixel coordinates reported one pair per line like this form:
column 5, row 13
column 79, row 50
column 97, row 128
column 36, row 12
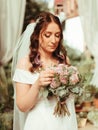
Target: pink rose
column 74, row 79
column 63, row 79
column 55, row 83
column 60, row 68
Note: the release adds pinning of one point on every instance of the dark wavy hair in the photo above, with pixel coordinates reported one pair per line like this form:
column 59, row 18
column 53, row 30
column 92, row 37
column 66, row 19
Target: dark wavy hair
column 42, row 21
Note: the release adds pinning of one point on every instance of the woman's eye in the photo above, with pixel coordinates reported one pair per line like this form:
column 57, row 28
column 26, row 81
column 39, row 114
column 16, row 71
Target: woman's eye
column 57, row 35
column 47, row 35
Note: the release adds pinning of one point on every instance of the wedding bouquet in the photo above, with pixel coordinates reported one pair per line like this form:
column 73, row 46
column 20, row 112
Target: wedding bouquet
column 66, row 81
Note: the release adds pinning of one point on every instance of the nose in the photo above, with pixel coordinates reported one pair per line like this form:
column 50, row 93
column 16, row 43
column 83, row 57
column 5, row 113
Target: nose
column 53, row 39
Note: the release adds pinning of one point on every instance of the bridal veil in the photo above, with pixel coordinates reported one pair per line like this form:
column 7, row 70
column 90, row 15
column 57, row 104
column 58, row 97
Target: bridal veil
column 21, row 49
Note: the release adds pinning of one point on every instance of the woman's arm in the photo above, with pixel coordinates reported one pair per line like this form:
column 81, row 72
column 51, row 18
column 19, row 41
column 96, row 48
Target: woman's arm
column 27, row 95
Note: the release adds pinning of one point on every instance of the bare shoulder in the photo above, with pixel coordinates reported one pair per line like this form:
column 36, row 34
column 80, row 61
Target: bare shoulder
column 68, row 60
column 24, row 63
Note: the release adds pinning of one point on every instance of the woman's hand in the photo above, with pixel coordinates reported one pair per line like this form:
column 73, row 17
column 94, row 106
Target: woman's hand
column 45, row 78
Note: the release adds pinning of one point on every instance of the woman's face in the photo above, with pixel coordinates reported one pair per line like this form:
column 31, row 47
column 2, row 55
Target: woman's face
column 49, row 38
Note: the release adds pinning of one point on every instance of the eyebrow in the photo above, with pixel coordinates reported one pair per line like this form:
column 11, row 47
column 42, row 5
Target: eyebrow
column 51, row 32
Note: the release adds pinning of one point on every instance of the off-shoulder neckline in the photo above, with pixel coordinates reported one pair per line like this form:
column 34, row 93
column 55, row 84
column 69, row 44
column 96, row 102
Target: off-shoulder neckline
column 26, row 71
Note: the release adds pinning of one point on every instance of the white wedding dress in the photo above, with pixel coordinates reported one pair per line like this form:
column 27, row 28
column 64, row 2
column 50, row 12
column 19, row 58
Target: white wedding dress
column 41, row 116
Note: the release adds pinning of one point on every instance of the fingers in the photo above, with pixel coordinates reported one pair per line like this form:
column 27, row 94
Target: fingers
column 45, row 77
column 47, row 74
column 48, row 79
column 44, row 81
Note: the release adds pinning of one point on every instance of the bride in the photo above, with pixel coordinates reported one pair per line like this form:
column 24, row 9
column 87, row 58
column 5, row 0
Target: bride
column 39, row 47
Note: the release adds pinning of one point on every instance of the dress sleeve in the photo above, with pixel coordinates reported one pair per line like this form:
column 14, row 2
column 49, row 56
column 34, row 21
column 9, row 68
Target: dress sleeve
column 23, row 76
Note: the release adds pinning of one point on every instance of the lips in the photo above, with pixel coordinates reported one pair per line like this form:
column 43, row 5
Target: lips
column 52, row 47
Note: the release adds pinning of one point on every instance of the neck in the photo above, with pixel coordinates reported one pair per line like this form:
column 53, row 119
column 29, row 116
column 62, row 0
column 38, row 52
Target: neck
column 45, row 56
column 47, row 59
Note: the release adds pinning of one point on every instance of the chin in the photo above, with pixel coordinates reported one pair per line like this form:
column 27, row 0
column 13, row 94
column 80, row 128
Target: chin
column 52, row 50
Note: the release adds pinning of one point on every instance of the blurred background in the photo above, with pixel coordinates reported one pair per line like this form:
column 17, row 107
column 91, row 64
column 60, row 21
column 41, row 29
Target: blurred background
column 79, row 19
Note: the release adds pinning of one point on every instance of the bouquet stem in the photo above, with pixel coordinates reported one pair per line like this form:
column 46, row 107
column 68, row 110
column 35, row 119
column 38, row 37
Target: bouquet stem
column 61, row 109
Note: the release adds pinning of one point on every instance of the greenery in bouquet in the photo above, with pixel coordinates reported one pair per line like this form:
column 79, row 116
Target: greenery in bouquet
column 66, row 81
